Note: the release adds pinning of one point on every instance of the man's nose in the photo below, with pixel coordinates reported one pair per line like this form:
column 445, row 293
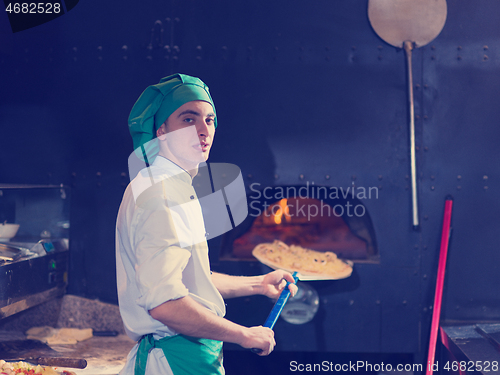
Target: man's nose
column 202, row 129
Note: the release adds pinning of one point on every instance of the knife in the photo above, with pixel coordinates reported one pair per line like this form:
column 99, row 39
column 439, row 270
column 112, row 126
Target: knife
column 278, row 307
column 53, row 361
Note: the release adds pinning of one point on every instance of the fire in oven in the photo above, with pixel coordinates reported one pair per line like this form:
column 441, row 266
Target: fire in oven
column 321, row 218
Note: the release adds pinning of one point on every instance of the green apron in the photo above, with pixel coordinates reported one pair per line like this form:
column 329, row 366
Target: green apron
column 186, row 355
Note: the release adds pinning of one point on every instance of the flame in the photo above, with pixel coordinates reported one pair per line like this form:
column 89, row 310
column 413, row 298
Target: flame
column 283, row 210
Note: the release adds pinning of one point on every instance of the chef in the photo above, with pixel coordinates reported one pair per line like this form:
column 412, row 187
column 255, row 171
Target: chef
column 170, row 301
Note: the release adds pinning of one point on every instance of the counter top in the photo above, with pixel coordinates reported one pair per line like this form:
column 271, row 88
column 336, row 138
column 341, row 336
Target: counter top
column 104, row 355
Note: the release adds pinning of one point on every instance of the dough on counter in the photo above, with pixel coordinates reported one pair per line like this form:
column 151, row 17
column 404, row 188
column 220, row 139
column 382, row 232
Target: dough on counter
column 58, row 336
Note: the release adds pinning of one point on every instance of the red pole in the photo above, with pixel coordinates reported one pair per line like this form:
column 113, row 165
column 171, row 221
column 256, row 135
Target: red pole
column 436, row 313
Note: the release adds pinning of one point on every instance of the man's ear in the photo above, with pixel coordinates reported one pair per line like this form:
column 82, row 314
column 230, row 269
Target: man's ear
column 160, row 131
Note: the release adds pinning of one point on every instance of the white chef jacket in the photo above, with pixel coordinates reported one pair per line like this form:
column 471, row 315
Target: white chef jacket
column 161, row 254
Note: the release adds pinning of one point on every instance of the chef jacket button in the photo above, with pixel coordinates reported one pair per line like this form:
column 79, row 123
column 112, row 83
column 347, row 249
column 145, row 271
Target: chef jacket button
column 192, row 197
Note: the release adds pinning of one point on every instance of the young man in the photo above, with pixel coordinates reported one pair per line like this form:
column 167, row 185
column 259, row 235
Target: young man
column 170, row 301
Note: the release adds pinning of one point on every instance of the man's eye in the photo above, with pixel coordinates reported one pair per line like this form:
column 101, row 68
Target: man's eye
column 210, row 121
column 188, row 120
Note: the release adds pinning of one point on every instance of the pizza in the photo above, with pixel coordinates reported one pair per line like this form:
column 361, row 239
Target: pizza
column 15, row 368
column 306, row 262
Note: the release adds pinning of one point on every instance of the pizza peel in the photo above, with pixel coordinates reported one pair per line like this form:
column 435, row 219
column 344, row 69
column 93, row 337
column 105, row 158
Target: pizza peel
column 53, row 361
column 15, row 348
column 408, row 24
column 285, row 294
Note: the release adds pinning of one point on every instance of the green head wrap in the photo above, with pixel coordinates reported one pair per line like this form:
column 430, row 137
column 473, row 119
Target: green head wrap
column 157, row 103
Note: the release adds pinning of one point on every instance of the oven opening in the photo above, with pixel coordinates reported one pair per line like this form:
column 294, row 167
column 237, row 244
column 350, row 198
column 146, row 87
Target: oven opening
column 312, row 218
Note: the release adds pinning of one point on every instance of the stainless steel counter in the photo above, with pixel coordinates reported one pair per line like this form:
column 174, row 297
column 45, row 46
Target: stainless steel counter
column 474, row 347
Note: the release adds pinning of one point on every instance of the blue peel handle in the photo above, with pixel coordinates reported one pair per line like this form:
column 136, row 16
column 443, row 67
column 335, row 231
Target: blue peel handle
column 278, row 307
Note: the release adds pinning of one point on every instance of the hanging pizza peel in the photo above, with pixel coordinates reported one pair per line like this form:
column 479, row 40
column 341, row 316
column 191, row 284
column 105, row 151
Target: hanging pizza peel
column 408, row 24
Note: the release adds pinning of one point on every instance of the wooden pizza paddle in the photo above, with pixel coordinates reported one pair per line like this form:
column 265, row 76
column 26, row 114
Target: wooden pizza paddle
column 53, row 361
column 408, row 24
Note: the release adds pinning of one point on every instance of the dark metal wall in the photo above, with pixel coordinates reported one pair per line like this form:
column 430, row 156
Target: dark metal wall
column 305, row 92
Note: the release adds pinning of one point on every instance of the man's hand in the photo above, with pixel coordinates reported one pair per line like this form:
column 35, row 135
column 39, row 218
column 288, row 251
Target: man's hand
column 274, row 282
column 259, row 338
column 270, row 285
